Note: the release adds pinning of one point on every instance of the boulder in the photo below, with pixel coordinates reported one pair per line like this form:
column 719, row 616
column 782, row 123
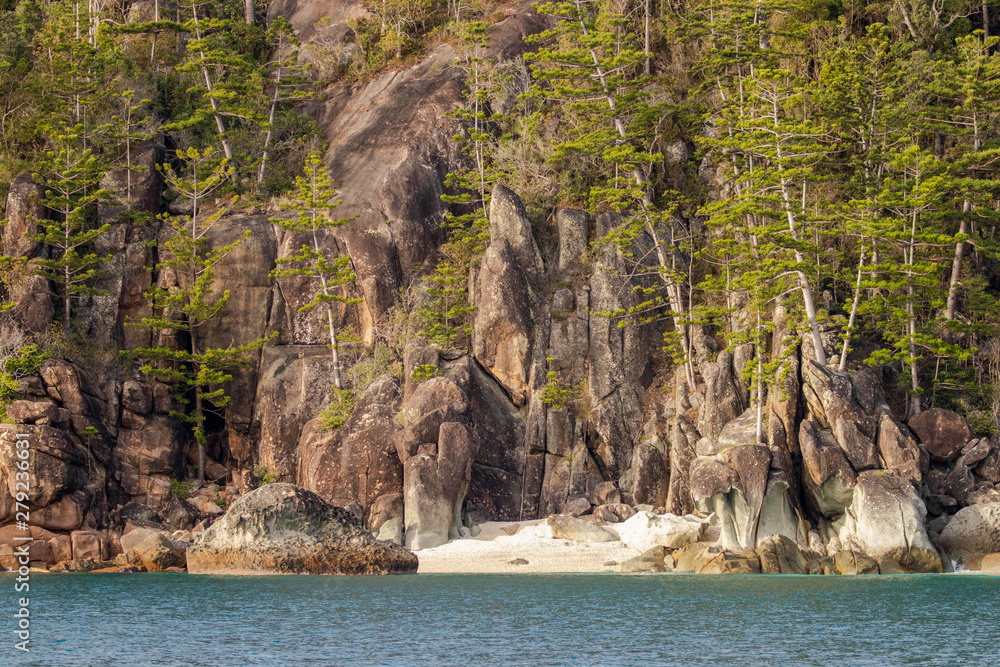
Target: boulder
column 887, row 519
column 853, row 562
column 434, row 488
column 571, row 528
column 650, row 481
column 30, row 412
column 990, row 564
column 973, row 530
column 155, row 552
column 65, row 514
column 646, row 530
column 577, row 506
column 57, row 466
column 683, row 437
column 651, row 560
column 729, row 562
column 89, row 544
column 615, row 513
column 605, row 493
column 179, row 514
column 285, row 529
column 944, row 433
column 780, row 554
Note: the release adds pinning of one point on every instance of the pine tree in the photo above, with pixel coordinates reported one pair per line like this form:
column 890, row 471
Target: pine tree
column 468, row 232
column 225, row 77
column 315, row 200
column 771, row 133
column 288, row 80
column 442, row 316
column 71, row 176
column 591, row 64
column 130, row 125
column 970, row 87
column 199, row 370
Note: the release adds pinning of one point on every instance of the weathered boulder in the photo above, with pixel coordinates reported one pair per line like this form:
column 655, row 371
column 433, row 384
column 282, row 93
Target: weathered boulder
column 683, row 437
column 57, row 465
column 734, row 489
column 615, row 513
column 853, row 562
column 89, row 544
column 827, row 476
column 899, row 450
column 887, row 518
column 646, row 530
column 703, row 558
column 990, row 564
column 435, row 482
column 781, row 555
column 653, row 559
column 606, row 493
column 566, row 527
column 973, row 530
column 650, row 480
column 944, row 433
column 65, row 514
column 155, row 552
column 179, row 514
column 284, row 529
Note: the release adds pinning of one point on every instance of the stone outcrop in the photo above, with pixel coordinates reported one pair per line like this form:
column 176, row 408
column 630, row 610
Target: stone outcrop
column 284, row 529
column 887, row 519
column 973, row 530
column 646, row 530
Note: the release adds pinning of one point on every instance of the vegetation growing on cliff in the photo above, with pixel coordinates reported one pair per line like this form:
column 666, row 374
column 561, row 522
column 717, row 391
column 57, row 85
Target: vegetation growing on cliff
column 832, row 158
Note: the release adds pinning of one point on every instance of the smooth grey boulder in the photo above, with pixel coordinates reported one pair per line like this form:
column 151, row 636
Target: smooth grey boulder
column 285, row 529
column 887, row 518
column 973, row 530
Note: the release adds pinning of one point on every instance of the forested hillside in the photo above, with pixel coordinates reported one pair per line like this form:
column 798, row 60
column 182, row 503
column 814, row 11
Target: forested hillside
column 296, row 243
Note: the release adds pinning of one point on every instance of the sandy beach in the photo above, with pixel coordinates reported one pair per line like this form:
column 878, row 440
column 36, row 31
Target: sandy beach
column 495, row 549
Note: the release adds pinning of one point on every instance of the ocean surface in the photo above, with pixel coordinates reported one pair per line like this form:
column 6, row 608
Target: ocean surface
column 602, row 619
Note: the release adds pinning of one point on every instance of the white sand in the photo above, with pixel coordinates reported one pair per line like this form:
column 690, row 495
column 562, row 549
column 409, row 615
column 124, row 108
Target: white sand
column 492, row 550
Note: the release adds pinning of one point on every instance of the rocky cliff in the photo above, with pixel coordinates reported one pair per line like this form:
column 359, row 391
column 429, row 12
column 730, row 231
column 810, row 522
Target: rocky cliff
column 421, row 461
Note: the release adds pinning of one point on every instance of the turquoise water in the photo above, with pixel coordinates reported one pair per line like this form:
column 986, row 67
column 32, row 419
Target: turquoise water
column 176, row 619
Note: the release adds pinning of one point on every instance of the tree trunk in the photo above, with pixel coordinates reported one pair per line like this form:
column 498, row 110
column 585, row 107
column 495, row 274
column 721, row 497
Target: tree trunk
column 220, row 126
column 248, row 12
column 854, row 313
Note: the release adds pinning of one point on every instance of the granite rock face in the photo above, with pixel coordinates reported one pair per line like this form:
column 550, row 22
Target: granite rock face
column 284, row 529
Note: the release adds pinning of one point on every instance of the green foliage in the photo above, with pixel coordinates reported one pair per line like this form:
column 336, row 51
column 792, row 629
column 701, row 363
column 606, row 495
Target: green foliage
column 334, row 415
column 423, row 372
column 263, row 476
column 443, row 316
column 182, row 490
column 556, row 394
